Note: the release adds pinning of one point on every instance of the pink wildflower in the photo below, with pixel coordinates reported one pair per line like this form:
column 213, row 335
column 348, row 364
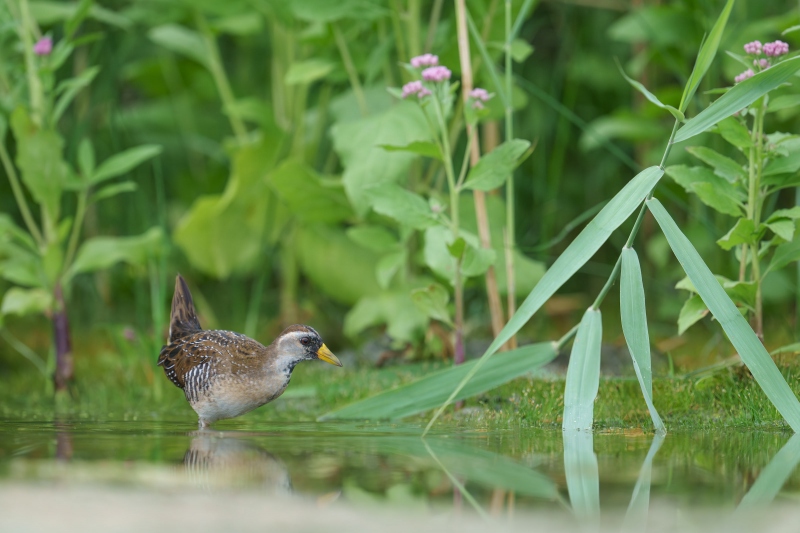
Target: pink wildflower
column 425, row 60
column 763, row 63
column 436, row 74
column 744, row 75
column 778, row 48
column 423, row 93
column 480, row 94
column 43, row 46
column 412, row 87
column 753, row 48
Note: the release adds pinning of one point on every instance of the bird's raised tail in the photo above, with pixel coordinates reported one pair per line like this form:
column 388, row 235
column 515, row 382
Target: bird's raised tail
column 183, row 318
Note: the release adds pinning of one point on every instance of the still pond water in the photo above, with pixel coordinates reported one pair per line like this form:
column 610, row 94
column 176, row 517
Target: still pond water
column 70, row 475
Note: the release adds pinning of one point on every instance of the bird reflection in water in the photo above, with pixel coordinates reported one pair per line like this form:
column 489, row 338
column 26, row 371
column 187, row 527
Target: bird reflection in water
column 216, row 461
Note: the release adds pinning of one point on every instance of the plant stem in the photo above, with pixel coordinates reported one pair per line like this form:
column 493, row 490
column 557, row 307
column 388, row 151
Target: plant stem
column 19, row 195
column 754, row 200
column 413, row 27
column 560, row 343
column 509, row 234
column 221, row 80
column 479, row 198
column 350, row 67
column 34, row 83
column 63, row 343
column 402, row 52
column 80, row 212
column 433, row 23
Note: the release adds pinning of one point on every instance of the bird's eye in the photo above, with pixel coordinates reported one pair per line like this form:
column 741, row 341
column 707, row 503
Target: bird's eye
column 304, row 341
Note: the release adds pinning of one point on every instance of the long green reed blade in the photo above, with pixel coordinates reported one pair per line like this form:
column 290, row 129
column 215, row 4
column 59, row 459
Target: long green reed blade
column 574, row 257
column 583, row 478
column 583, row 373
column 740, row 96
column 634, row 326
column 736, row 327
column 706, row 55
column 639, row 507
column 771, row 480
column 430, row 391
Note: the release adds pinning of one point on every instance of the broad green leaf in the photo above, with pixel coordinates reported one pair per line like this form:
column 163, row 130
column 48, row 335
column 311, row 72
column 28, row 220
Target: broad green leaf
column 712, row 190
column 327, row 11
column 693, row 310
column 634, row 325
column 69, row 89
column 494, row 169
column 123, row 162
column 402, row 205
column 388, row 266
column 243, row 24
column 783, row 165
column 705, row 56
column 792, row 212
column 375, row 238
column 21, row 302
column 716, row 198
column 583, row 373
column 723, row 166
column 784, row 101
column 477, row 260
column 520, row 50
column 650, row 96
column 588, row 241
column 182, row 41
column 308, row 196
column 432, row 301
column 103, row 252
column 782, row 227
column 49, row 12
column 785, row 253
column 396, row 309
column 773, row 477
column 735, row 133
column 639, row 506
column 740, row 96
column 741, row 292
column 781, row 181
column 425, row 148
column 743, row 232
column 736, row 327
column 86, row 161
column 431, row 391
column 581, row 472
column 112, row 190
column 439, row 248
column 308, row 71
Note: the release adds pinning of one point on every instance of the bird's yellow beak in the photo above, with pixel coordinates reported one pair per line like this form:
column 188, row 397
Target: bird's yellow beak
column 326, row 355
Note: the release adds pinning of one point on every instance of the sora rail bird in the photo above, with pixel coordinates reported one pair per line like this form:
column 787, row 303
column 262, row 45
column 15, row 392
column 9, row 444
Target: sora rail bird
column 225, row 374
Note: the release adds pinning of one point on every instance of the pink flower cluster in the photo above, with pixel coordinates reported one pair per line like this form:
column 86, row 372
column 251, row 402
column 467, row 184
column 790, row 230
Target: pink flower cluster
column 753, row 48
column 415, row 87
column 479, row 96
column 43, row 46
column 778, row 48
column 744, row 75
column 436, row 74
column 425, row 60
column 763, row 63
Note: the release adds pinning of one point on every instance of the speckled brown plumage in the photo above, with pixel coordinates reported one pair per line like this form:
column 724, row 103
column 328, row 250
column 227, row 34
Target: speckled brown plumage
column 225, row 374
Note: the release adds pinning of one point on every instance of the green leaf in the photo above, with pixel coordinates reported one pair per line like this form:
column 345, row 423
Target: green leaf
column 308, row 71
column 705, row 56
column 735, row 133
column 712, row 190
column 615, row 212
column 784, row 101
column 636, row 516
column 477, row 260
column 736, row 327
column 103, row 252
column 634, row 325
column 739, row 97
column 741, row 292
column 785, row 253
column 181, row 40
column 123, row 162
column 404, row 322
column 432, row 301
column 743, row 232
column 308, row 196
column 23, row 302
column 788, row 349
column 520, row 50
column 583, row 373
column 388, row 266
column 582, row 475
column 112, row 190
column 723, row 166
column 772, row 477
column 494, row 168
column 650, row 96
column 783, row 228
column 375, row 238
column 69, row 89
column 47, row 13
column 426, row 148
column 431, row 391
column 327, row 11
column 402, row 205
column 693, row 311
column 792, row 212
column 86, row 161
column 783, row 165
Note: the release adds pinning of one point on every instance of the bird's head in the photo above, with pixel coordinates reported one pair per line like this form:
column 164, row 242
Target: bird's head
column 302, row 343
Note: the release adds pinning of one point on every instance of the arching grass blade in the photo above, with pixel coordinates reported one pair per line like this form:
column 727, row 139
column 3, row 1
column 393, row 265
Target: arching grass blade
column 583, row 373
column 574, row 257
column 634, row 326
column 750, row 349
column 740, row 96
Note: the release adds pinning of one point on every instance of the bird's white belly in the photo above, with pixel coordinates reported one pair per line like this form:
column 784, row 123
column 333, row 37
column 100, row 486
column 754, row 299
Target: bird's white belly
column 230, row 398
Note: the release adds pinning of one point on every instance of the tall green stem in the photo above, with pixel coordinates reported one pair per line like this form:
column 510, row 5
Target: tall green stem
column 510, row 229
column 350, row 67
column 754, row 201
column 80, row 212
column 35, row 90
column 19, row 196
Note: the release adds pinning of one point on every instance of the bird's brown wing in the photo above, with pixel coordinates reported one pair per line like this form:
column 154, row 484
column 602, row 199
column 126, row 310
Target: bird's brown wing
column 196, row 354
